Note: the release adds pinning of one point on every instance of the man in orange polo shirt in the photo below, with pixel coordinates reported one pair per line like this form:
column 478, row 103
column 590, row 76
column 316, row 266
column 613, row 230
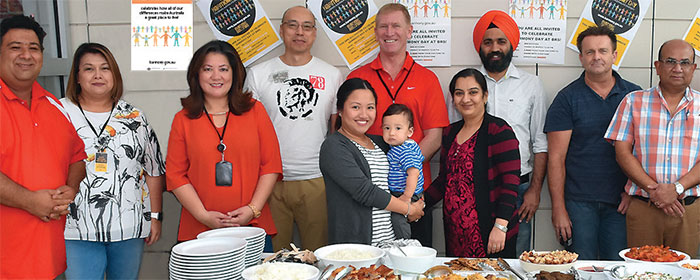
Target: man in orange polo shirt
column 398, row 79
column 41, row 159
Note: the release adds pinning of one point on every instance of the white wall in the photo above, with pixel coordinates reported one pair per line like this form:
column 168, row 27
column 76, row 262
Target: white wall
column 108, row 22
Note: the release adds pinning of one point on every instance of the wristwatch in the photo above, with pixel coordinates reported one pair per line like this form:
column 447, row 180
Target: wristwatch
column 501, row 227
column 679, row 188
column 157, row 216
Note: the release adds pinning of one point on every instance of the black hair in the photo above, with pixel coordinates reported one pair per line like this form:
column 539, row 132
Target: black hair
column 399, row 109
column 22, row 22
column 596, row 31
column 469, row 72
column 346, row 89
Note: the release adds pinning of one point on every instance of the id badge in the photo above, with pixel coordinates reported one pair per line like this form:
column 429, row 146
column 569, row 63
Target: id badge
column 224, row 174
column 100, row 162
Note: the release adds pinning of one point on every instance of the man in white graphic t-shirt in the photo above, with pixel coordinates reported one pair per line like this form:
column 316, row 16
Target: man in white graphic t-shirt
column 298, row 91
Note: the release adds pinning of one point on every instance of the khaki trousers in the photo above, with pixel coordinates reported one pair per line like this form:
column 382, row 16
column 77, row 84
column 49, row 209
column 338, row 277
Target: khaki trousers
column 303, row 202
column 648, row 225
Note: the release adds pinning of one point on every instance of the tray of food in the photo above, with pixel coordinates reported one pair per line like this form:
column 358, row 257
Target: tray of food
column 373, row 272
column 653, row 254
column 559, row 260
column 646, row 271
column 470, row 264
column 442, row 272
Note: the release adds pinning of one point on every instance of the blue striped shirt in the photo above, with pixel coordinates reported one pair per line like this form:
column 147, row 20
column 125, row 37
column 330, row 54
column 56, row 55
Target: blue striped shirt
column 401, row 158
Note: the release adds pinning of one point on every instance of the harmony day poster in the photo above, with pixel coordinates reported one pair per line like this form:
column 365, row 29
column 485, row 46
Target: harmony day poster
column 243, row 24
column 161, row 34
column 542, row 30
column 623, row 16
column 349, row 24
column 430, row 43
column 692, row 36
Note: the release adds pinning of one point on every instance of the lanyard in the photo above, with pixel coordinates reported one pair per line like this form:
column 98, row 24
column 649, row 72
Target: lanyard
column 90, row 124
column 393, row 97
column 221, row 147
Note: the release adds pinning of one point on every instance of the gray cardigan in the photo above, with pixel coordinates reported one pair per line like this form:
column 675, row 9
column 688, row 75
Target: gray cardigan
column 350, row 193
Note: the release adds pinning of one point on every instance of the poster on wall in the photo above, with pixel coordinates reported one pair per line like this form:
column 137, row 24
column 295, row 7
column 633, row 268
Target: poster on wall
column 161, row 34
column 692, row 36
column 622, row 16
column 349, row 24
column 430, row 43
column 243, row 24
column 542, row 30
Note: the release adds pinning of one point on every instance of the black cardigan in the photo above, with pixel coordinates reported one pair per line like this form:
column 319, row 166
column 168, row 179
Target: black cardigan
column 350, row 193
column 496, row 150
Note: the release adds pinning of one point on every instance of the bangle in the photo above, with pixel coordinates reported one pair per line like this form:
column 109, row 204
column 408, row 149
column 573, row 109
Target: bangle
column 256, row 213
column 501, row 227
column 408, row 210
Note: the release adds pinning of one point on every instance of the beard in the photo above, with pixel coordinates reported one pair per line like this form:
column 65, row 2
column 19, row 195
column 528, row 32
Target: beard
column 496, row 66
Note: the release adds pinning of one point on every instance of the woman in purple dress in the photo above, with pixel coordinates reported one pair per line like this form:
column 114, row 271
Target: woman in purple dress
column 479, row 175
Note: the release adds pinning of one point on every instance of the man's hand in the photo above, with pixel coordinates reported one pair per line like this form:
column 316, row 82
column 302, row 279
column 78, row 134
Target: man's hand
column 663, row 195
column 674, row 210
column 561, row 223
column 155, row 232
column 531, row 201
column 43, row 204
column 64, row 197
column 624, row 203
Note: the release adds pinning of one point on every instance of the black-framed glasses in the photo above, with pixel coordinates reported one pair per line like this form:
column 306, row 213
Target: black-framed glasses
column 672, row 62
column 293, row 24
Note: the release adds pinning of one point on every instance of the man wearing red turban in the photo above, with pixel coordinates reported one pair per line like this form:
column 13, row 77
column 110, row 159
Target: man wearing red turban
column 517, row 97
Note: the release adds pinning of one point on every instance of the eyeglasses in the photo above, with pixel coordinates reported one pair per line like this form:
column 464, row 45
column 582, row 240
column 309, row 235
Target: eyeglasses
column 292, row 24
column 672, row 62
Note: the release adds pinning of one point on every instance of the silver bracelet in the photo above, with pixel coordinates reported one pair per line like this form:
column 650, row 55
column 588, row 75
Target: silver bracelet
column 408, row 210
column 501, row 227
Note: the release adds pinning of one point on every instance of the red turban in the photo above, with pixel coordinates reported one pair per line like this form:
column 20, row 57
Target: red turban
column 504, row 22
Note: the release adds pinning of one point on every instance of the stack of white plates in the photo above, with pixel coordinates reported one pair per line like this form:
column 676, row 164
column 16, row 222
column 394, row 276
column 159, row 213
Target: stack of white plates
column 254, row 235
column 211, row 258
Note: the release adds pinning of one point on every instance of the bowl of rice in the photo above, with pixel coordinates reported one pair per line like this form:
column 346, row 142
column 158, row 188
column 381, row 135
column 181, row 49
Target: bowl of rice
column 281, row 271
column 357, row 255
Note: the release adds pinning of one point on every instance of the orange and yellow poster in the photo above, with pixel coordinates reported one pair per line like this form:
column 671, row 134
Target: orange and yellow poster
column 692, row 36
column 622, row 16
column 243, row 24
column 350, row 26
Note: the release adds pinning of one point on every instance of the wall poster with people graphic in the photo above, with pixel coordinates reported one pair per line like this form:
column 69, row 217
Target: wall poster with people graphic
column 431, row 41
column 692, row 36
column 243, row 24
column 350, row 26
column 622, row 16
column 161, row 34
column 542, row 26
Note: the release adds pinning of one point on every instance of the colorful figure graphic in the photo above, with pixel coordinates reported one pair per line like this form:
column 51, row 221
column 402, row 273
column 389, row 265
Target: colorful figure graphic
column 176, row 36
column 155, row 37
column 425, row 9
column 187, row 38
column 446, row 7
column 436, row 9
column 415, row 9
column 551, row 10
column 136, row 37
column 165, row 36
column 145, row 40
column 562, row 11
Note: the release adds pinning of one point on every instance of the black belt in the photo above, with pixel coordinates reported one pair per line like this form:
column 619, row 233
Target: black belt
column 688, row 200
column 524, row 178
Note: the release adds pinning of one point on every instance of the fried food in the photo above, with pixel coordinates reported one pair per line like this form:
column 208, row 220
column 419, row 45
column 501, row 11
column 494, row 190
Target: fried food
column 544, row 275
column 367, row 273
column 553, row 257
column 690, row 266
column 654, row 254
column 472, row 264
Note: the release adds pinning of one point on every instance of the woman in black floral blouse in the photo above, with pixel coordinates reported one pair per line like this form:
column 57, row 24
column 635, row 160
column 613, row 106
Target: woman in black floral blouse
column 118, row 207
